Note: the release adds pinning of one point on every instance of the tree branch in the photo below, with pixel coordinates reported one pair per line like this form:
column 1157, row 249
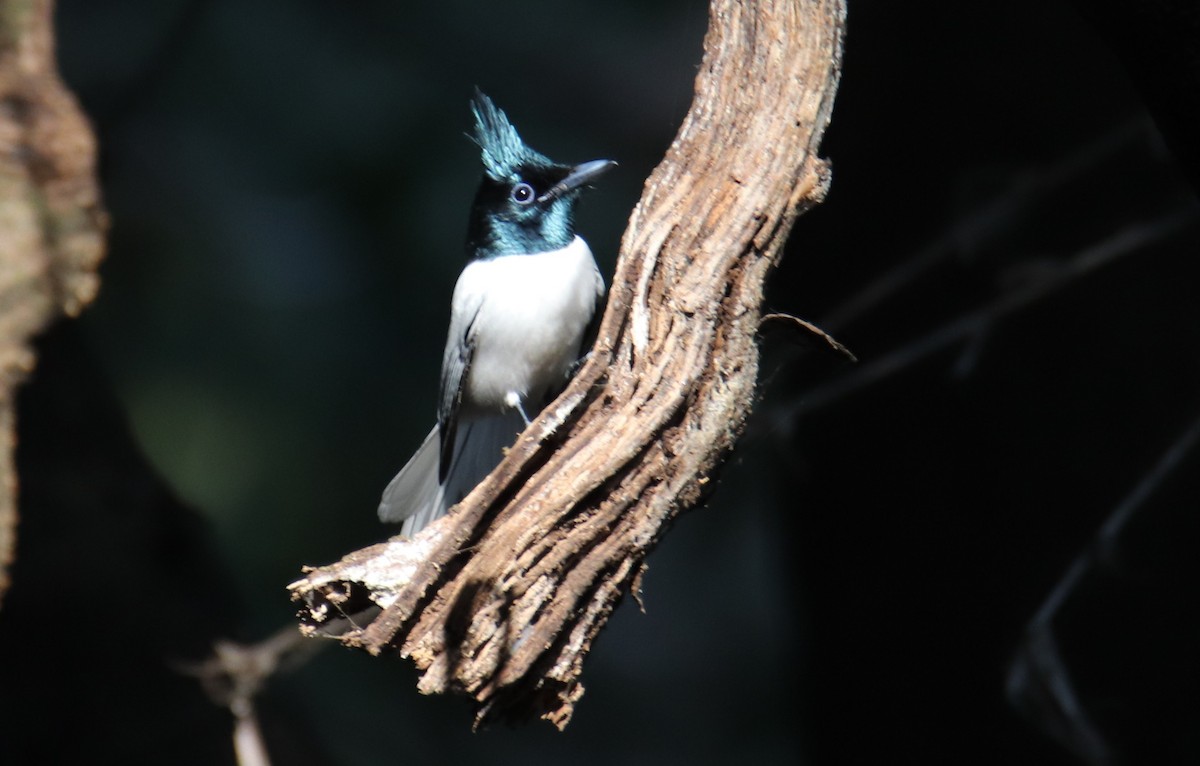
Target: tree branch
column 1039, row 683
column 51, row 222
column 502, row 599
column 1132, row 239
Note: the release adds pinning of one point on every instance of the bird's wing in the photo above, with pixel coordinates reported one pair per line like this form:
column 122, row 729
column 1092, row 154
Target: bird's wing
column 593, row 326
column 456, row 364
column 590, row 332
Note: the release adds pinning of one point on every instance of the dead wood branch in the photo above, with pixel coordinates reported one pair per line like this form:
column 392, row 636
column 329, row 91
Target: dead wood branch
column 502, row 599
column 51, row 222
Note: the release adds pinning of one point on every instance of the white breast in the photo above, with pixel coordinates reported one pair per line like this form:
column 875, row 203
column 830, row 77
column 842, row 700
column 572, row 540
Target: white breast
column 533, row 310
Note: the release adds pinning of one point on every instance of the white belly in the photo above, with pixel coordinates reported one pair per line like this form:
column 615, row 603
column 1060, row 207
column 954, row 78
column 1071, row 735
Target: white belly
column 533, row 310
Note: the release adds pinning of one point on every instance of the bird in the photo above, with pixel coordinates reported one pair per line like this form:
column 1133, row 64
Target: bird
column 519, row 315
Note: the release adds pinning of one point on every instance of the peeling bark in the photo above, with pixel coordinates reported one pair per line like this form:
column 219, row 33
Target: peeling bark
column 51, row 221
column 502, row 599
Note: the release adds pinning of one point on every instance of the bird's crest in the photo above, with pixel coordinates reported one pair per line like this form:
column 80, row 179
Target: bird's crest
column 503, row 151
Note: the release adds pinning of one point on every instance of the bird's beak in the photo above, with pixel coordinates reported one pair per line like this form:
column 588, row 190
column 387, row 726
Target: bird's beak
column 580, row 175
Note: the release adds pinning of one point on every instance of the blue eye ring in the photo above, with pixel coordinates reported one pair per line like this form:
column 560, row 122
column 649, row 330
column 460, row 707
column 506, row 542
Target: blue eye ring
column 523, row 194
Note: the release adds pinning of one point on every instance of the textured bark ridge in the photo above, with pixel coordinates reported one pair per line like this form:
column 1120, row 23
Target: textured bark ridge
column 502, row 599
column 51, row 221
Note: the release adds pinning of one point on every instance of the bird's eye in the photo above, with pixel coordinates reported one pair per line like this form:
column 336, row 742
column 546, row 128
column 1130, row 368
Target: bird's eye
column 523, row 194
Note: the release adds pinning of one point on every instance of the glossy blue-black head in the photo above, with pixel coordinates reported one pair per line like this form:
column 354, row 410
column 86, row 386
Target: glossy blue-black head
column 526, row 201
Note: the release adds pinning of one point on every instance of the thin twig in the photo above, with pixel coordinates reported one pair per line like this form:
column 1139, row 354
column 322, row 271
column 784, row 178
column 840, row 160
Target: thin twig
column 1039, row 666
column 1027, row 192
column 1129, row 240
column 235, row 674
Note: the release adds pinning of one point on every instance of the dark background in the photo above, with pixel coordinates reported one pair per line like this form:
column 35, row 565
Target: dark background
column 289, row 182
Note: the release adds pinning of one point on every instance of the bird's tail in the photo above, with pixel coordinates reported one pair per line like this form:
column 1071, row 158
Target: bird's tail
column 415, row 496
column 415, row 492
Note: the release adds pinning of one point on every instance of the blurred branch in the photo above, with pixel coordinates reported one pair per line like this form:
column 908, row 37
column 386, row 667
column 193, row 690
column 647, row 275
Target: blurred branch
column 1156, row 42
column 1039, row 683
column 51, row 223
column 1126, row 241
column 235, row 674
column 502, row 599
column 1027, row 192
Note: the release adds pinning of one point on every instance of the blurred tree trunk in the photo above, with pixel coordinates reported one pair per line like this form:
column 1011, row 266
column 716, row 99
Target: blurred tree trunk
column 52, row 224
column 502, row 599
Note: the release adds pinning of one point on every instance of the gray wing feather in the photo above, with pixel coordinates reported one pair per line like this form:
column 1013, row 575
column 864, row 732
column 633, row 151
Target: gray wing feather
column 593, row 326
column 478, row 449
column 417, row 497
column 456, row 364
column 416, row 490
column 587, row 340
column 455, row 456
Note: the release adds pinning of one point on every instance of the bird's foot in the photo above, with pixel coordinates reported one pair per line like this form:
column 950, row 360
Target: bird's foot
column 513, row 399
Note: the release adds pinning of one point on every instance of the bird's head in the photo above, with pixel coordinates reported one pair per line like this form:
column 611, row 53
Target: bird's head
column 526, row 201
